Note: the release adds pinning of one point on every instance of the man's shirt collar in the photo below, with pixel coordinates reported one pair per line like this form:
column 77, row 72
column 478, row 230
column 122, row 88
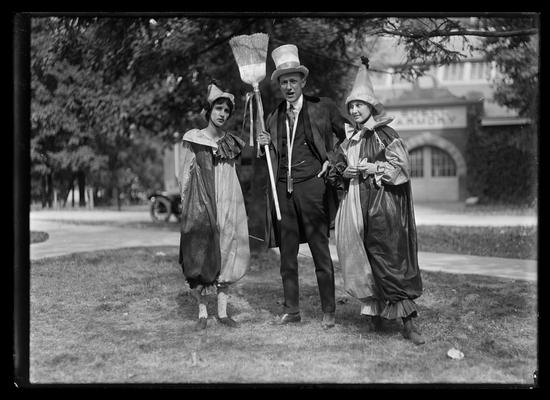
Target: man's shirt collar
column 297, row 104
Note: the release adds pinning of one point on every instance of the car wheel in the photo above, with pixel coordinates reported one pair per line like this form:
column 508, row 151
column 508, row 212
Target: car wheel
column 160, row 209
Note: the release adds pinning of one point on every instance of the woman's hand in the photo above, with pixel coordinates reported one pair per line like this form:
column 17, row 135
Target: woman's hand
column 368, row 168
column 350, row 172
column 263, row 138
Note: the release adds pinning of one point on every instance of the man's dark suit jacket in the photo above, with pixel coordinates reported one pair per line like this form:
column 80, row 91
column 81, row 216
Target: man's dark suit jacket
column 324, row 128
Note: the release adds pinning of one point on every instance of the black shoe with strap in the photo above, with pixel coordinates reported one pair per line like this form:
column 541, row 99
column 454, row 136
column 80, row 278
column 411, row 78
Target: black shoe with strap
column 368, row 324
column 228, row 321
column 201, row 324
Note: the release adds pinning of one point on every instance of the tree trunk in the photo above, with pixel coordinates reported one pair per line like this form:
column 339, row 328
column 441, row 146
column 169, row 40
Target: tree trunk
column 43, row 192
column 91, row 192
column 81, row 177
column 49, row 183
column 65, row 194
column 72, row 193
column 118, row 203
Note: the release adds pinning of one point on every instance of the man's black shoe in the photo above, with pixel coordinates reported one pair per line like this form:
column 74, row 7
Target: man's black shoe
column 289, row 318
column 328, row 320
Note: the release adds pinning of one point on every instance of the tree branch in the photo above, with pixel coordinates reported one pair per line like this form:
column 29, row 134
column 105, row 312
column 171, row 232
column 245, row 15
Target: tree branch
column 223, row 39
column 463, row 32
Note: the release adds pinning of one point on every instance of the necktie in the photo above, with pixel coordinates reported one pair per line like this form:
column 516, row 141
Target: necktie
column 291, row 116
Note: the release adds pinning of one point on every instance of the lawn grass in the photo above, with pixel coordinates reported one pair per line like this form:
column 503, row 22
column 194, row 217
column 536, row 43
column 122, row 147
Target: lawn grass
column 126, row 316
column 480, row 209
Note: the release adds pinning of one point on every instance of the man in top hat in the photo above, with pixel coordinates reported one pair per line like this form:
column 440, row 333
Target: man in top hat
column 300, row 134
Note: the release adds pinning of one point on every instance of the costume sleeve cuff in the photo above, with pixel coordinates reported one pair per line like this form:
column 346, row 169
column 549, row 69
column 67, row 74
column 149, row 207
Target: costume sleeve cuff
column 380, row 174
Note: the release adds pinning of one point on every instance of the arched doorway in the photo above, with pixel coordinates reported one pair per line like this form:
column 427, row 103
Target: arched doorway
column 436, row 166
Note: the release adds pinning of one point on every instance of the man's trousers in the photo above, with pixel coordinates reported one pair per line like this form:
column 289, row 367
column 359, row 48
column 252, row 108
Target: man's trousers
column 304, row 215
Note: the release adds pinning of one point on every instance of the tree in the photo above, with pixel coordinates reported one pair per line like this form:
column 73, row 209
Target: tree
column 99, row 83
column 79, row 94
column 510, row 41
column 60, row 138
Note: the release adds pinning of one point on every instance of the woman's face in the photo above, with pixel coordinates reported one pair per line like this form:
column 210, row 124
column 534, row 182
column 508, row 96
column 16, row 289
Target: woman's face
column 359, row 110
column 220, row 114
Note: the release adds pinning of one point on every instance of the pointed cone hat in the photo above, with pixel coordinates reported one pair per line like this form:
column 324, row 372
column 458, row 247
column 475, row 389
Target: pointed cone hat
column 215, row 93
column 363, row 90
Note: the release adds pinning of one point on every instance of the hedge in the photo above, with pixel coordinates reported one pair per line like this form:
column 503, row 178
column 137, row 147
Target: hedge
column 508, row 241
column 503, row 164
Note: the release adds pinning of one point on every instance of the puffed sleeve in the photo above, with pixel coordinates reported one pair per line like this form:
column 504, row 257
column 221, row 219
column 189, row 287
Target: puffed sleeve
column 396, row 169
column 186, row 162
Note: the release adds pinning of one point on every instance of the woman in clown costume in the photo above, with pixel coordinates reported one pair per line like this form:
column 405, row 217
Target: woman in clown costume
column 375, row 227
column 214, row 245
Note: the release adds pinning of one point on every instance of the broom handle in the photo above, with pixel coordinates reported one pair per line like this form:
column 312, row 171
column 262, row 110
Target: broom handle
column 266, row 149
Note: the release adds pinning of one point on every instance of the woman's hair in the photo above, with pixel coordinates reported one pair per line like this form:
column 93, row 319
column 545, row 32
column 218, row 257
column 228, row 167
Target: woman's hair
column 219, row 100
column 371, row 107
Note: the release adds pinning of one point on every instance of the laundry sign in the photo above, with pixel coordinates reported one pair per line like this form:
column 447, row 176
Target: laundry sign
column 428, row 118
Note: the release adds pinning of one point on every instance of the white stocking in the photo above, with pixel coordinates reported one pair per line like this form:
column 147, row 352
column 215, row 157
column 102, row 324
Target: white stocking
column 202, row 311
column 222, row 304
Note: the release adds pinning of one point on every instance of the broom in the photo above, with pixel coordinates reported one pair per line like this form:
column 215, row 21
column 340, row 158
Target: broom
column 250, row 52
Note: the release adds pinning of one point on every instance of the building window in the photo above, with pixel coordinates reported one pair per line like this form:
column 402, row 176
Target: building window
column 479, row 71
column 453, row 72
column 442, row 163
column 417, row 162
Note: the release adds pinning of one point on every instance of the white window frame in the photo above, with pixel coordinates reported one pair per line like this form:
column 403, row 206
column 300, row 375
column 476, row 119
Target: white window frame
column 487, row 73
column 458, row 81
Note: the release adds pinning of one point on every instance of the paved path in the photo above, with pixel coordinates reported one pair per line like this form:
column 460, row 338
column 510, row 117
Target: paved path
column 463, row 264
column 66, row 238
column 425, row 214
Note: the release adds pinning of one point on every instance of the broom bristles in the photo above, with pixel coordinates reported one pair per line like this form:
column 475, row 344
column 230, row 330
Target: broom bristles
column 250, row 49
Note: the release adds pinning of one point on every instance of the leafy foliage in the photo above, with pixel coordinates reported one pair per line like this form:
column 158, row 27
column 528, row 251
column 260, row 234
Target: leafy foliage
column 502, row 165
column 109, row 94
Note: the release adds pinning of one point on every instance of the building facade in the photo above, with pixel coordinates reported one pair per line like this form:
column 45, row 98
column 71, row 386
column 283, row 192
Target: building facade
column 435, row 125
column 435, row 116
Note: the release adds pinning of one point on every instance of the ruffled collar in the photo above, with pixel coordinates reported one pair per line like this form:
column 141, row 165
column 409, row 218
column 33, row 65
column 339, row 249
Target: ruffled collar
column 355, row 133
column 229, row 146
column 199, row 137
